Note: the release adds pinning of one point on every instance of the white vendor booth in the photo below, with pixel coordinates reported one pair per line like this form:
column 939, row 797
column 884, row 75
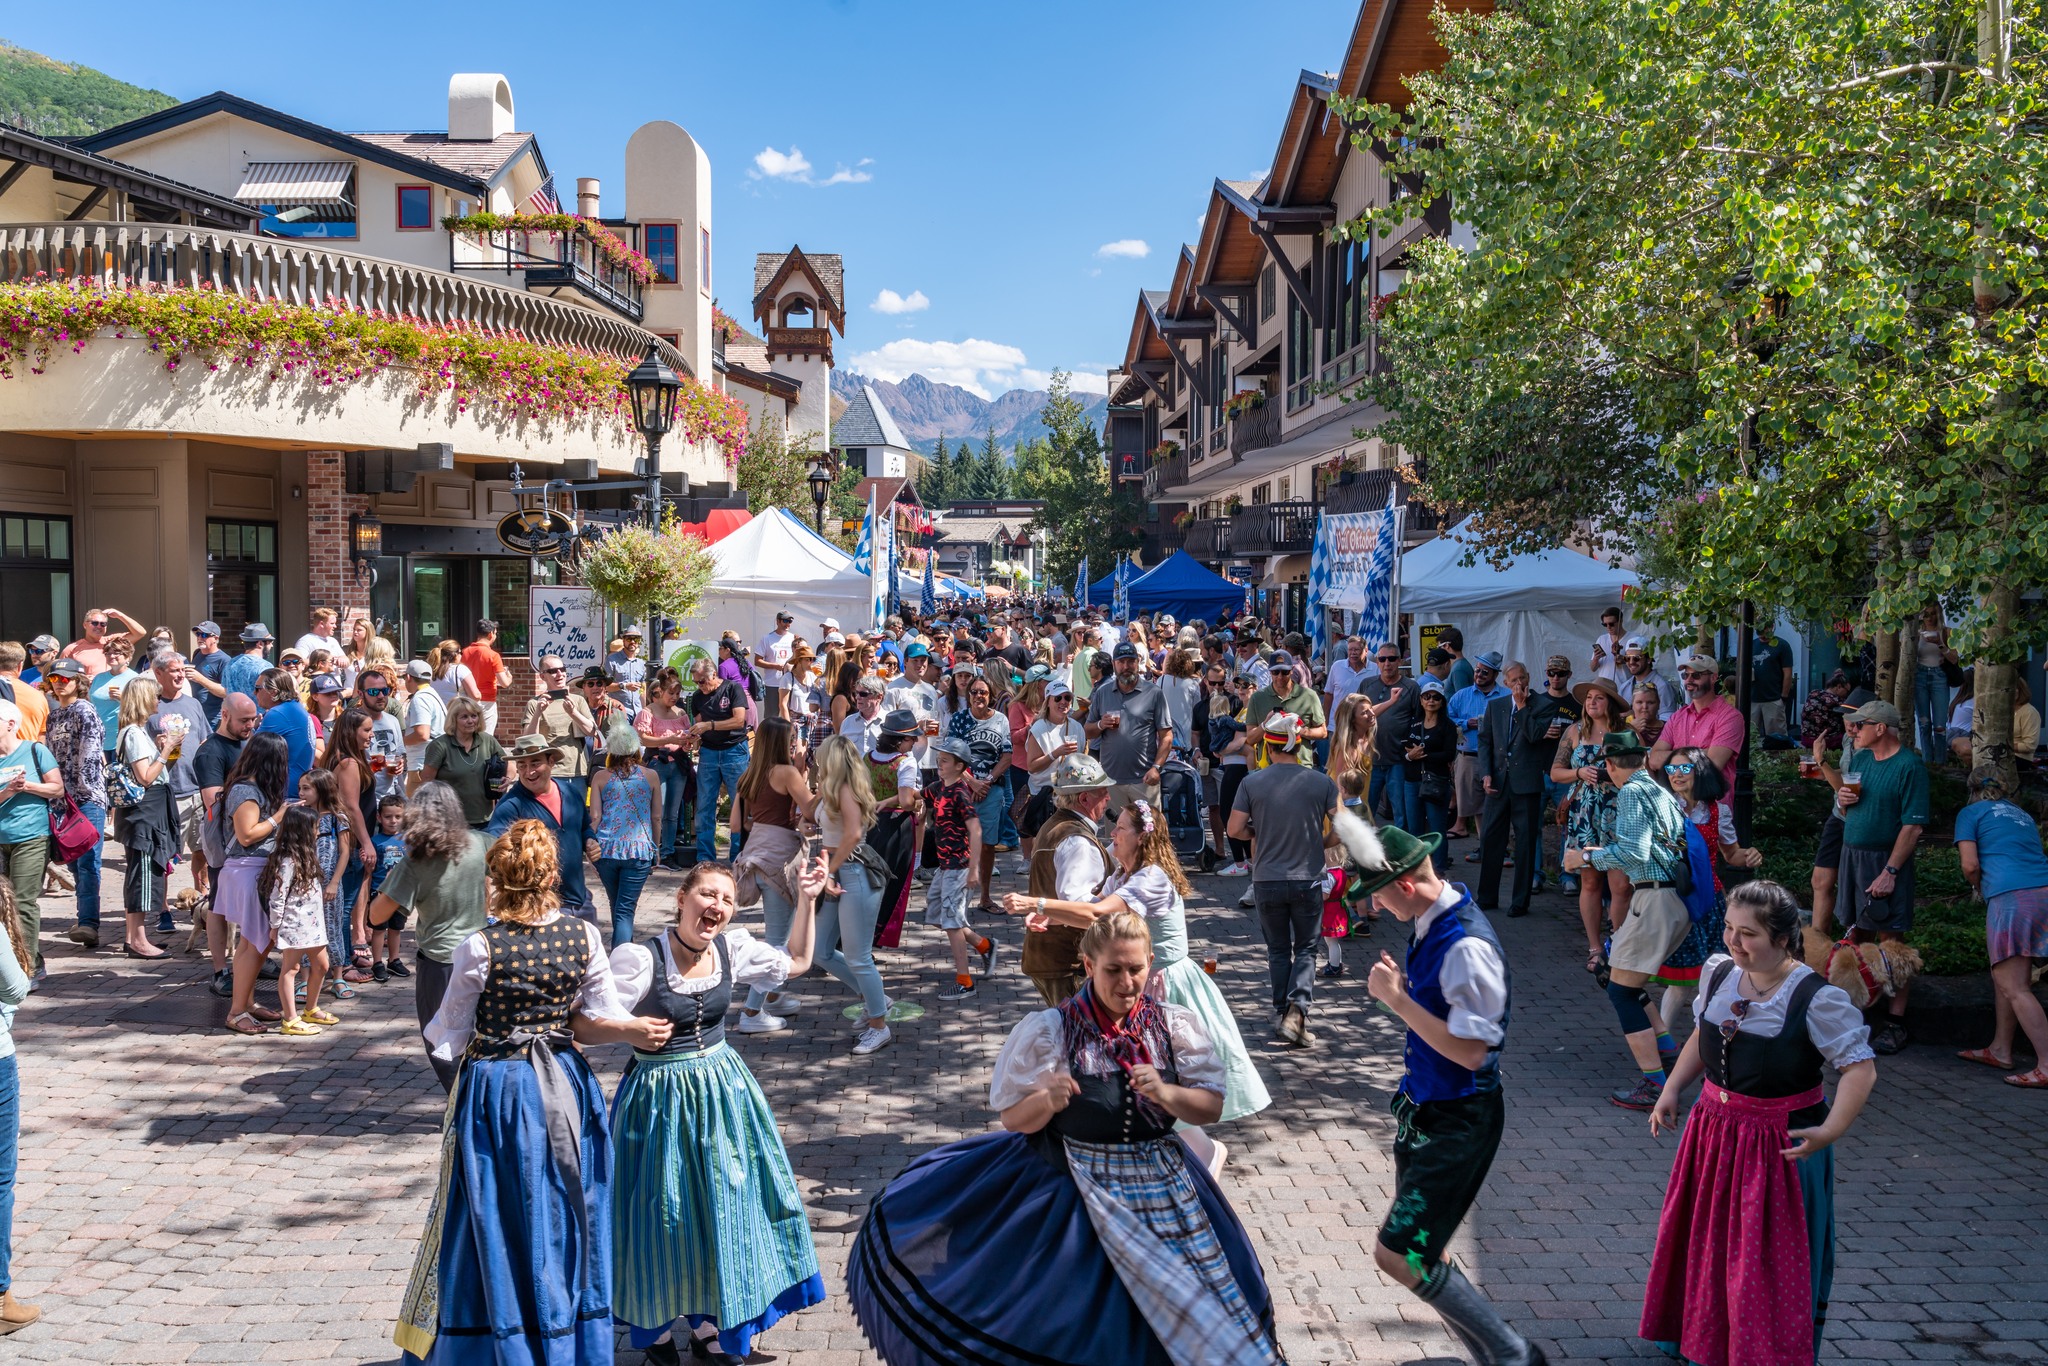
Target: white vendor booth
column 1548, row 603
column 775, row 563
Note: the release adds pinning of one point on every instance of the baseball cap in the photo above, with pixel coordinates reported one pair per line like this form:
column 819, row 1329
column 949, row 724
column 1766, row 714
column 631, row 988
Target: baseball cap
column 294, row 653
column 830, row 623
column 419, row 668
column 1439, row 655
column 1281, row 660
column 44, row 642
column 1059, row 687
column 785, row 616
column 1707, row 664
column 207, row 628
column 1125, row 650
column 1434, row 685
column 1557, row 663
column 916, row 650
column 326, row 684
column 1635, row 645
column 67, row 668
column 956, row 747
column 1879, row 713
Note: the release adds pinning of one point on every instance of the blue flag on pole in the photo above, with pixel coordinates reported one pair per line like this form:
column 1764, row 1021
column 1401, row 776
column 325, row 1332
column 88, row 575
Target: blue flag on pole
column 1376, row 621
column 928, row 602
column 1081, row 583
column 1120, row 591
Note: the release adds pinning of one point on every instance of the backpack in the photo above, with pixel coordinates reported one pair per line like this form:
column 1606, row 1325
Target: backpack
column 1698, row 888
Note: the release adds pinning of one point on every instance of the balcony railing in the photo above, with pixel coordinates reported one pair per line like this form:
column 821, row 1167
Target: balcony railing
column 1165, row 475
column 133, row 255
column 1209, row 539
column 789, row 339
column 550, row 260
column 1274, row 529
column 1254, row 429
column 1162, row 539
column 1367, row 492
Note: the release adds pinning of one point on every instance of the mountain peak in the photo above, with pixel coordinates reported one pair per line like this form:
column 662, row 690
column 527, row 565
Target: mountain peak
column 927, row 409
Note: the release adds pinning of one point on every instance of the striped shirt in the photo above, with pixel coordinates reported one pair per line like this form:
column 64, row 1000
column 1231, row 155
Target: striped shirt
column 1649, row 832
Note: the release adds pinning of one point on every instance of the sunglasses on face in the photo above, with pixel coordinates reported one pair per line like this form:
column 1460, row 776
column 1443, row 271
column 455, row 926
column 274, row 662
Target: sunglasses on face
column 559, row 669
column 100, row 623
column 1678, row 768
column 376, row 692
column 1560, row 673
column 1388, row 659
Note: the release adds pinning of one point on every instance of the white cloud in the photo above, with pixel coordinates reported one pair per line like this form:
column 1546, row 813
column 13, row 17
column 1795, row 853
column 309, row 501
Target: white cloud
column 981, row 367
column 1081, row 379
column 1129, row 248
column 794, row 166
column 889, row 301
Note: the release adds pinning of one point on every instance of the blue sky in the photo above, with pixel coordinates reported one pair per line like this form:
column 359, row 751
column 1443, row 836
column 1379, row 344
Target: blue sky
column 1010, row 175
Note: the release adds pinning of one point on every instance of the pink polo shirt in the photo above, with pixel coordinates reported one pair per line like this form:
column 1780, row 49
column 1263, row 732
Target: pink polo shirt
column 1714, row 725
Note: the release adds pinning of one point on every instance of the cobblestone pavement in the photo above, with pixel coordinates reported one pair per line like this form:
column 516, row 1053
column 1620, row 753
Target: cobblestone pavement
column 190, row 1196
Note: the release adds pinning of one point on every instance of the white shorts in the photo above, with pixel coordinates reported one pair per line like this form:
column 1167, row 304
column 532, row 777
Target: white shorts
column 945, row 899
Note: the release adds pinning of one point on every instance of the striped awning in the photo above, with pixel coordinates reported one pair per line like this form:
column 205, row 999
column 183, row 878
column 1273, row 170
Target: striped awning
column 319, row 184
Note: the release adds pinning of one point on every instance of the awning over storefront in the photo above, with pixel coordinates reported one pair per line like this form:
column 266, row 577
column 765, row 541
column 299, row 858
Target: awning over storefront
column 1285, row 569
column 315, row 184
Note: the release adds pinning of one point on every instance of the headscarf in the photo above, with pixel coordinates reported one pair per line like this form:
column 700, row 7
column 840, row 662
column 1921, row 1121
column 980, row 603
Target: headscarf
column 1098, row 1044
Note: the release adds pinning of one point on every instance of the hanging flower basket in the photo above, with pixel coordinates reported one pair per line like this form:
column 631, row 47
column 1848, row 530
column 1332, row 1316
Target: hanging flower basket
column 635, row 569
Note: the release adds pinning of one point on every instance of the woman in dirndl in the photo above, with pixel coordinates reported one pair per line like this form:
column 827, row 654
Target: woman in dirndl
column 708, row 1229
column 1149, row 883
column 515, row 1263
column 1701, row 789
column 1131, row 1254
column 1746, row 1245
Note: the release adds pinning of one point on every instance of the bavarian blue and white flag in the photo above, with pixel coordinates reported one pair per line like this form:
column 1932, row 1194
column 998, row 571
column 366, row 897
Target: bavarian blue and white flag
column 864, row 548
column 1376, row 618
column 1354, row 565
column 1319, row 583
column 884, row 577
column 1120, row 592
column 928, row 601
column 1081, row 583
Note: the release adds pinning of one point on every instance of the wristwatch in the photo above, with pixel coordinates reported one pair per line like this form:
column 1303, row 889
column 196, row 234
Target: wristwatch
column 1891, row 870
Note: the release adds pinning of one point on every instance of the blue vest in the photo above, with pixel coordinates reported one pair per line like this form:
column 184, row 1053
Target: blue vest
column 1432, row 1076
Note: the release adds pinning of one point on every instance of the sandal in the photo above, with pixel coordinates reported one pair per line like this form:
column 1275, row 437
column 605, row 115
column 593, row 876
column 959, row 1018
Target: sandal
column 315, row 1015
column 245, row 1023
column 266, row 1014
column 1985, row 1057
column 1594, row 960
column 2035, row 1080
column 341, row 991
column 298, row 1029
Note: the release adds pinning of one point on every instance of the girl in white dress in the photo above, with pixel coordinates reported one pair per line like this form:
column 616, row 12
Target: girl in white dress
column 1149, row 882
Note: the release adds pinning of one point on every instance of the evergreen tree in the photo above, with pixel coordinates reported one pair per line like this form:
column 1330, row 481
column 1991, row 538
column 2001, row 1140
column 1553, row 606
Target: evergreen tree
column 1031, row 468
column 1083, row 509
column 934, row 488
column 960, row 474
column 992, row 470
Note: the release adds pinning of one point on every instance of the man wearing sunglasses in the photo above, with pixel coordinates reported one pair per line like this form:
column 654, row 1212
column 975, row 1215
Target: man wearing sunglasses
column 375, row 687
column 1707, row 721
column 1398, row 706
column 561, row 715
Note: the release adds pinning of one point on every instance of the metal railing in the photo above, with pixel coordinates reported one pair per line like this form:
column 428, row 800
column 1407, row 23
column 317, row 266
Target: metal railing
column 1367, row 492
column 1209, row 539
column 1274, row 528
column 1254, row 429
column 1166, row 474
column 550, row 259
column 281, row 270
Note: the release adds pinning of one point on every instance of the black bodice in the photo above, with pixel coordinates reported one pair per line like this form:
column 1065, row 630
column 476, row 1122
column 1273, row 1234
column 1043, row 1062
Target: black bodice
column 1106, row 1109
column 535, row 977
column 698, row 1017
column 1767, row 1066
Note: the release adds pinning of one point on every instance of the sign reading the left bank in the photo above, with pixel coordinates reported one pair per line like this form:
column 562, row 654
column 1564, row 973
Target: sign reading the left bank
column 568, row 622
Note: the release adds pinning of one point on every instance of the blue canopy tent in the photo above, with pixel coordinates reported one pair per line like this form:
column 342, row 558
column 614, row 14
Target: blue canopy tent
column 1102, row 590
column 1179, row 584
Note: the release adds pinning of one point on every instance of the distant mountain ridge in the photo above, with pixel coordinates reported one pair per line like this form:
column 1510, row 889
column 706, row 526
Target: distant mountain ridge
column 927, row 409
column 59, row 99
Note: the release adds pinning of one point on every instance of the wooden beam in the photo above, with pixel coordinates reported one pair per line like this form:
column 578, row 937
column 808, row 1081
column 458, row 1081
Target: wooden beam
column 1151, row 381
column 87, row 204
column 1215, row 298
column 1296, row 286
column 1194, row 379
column 12, row 174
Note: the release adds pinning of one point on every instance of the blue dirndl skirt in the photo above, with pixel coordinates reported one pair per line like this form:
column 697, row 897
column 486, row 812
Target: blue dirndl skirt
column 982, row 1251
column 520, row 1263
column 708, row 1225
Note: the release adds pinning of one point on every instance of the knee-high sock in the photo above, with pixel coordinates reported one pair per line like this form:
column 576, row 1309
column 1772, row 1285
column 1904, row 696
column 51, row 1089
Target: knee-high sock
column 1472, row 1318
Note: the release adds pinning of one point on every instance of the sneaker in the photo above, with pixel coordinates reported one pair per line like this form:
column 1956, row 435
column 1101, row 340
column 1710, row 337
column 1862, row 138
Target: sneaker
column 761, row 1022
column 1569, row 884
column 785, row 1003
column 1332, row 970
column 872, row 1041
column 1641, row 1096
column 1294, row 1027
column 378, row 972
column 1247, row 899
column 1890, row 1038
column 223, row 983
column 1236, row 869
column 398, row 968
column 959, row 991
column 166, row 925
column 988, row 958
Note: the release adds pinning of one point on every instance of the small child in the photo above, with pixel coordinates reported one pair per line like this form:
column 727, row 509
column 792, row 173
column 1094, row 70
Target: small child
column 385, row 962
column 1336, row 915
column 956, row 831
column 320, row 794
column 290, row 888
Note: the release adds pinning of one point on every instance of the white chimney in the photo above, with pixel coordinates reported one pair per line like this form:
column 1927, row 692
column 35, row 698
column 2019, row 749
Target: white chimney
column 479, row 106
column 587, row 196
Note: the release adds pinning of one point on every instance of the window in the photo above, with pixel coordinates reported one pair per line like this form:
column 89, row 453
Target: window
column 35, row 577
column 704, row 259
column 1286, row 487
column 1301, row 357
column 1261, row 493
column 241, row 574
column 1269, row 291
column 330, row 215
column 1350, row 305
column 415, row 207
column 660, row 240
column 505, row 600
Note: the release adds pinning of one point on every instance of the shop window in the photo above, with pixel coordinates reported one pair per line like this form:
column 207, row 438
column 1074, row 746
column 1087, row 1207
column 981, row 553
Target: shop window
column 35, row 577
column 660, row 245
column 241, row 575
column 415, row 207
column 505, row 585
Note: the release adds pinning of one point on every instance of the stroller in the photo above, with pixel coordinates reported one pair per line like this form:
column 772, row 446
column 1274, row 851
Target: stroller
column 1180, row 794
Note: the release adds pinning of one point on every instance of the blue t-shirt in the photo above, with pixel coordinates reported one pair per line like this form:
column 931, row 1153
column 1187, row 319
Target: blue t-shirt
column 2008, row 845
column 389, row 849
column 109, row 708
column 25, row 816
column 214, row 666
column 292, row 721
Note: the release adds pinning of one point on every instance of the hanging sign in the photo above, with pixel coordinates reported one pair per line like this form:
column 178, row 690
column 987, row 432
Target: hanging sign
column 568, row 622
column 535, row 531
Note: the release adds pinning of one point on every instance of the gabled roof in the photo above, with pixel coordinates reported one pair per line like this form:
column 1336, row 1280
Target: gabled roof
column 866, row 422
column 1393, row 40
column 887, row 489
column 1311, row 143
column 1147, row 343
column 826, row 272
column 386, row 149
column 1227, row 251
column 205, row 207
column 958, row 528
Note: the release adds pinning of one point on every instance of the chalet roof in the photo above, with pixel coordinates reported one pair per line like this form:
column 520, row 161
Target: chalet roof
column 866, row 422
column 986, row 530
column 469, row 157
column 887, row 489
column 1393, row 40
column 827, row 273
column 1228, row 252
column 1310, row 151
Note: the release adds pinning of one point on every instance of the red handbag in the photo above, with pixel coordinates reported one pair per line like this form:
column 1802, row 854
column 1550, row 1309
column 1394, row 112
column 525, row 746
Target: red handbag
column 72, row 834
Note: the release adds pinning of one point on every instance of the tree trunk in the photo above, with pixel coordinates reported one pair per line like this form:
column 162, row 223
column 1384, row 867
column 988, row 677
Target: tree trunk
column 1887, row 643
column 1991, row 730
column 1904, row 676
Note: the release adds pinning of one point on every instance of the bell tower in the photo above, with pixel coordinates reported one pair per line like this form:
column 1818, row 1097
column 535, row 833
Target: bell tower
column 799, row 300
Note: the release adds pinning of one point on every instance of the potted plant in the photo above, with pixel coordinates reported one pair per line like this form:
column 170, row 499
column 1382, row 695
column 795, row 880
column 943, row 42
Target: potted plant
column 635, row 568
column 1183, row 518
column 1233, row 505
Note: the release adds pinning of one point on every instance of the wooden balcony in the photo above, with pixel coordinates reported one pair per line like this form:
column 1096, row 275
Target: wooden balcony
column 1367, row 492
column 1165, row 475
column 1162, row 538
column 1254, row 429
column 1274, row 529
column 1209, row 540
column 794, row 340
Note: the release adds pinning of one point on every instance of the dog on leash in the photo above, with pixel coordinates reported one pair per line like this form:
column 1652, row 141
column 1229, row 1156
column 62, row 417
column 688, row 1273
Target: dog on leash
column 1869, row 973
column 190, row 902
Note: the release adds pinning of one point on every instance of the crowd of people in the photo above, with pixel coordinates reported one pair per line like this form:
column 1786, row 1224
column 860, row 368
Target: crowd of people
column 329, row 802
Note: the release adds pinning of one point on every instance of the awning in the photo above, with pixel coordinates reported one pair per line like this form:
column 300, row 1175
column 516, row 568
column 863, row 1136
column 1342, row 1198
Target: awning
column 1285, row 569
column 317, row 184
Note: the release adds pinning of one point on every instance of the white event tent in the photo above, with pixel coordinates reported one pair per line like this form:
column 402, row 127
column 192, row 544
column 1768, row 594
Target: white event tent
column 776, row 563
column 1543, row 604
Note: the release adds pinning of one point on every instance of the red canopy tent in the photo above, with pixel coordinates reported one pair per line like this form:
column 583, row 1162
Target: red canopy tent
column 722, row 523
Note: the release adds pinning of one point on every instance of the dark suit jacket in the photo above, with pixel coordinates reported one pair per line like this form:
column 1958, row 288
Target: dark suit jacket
column 518, row 805
column 1517, row 759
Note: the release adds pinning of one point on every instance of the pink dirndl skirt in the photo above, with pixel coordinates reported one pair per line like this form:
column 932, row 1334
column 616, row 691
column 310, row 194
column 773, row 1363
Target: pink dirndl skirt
column 1730, row 1281
column 235, row 901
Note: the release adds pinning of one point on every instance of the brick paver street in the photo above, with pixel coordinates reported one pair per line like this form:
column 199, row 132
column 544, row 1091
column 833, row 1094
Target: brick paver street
column 190, row 1196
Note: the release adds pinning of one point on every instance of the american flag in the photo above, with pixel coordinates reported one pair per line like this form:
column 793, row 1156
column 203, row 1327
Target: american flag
column 543, row 199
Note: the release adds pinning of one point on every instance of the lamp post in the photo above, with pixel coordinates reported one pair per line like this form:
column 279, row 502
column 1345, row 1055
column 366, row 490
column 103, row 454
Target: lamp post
column 365, row 544
column 653, row 388
column 821, row 484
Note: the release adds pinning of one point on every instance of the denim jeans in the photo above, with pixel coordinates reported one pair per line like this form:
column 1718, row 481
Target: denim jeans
column 675, row 781
column 1930, row 710
column 1436, row 820
column 1383, row 782
column 1406, row 795
column 352, row 878
column 993, row 811
column 846, row 936
column 716, row 768
column 623, row 879
column 1291, row 919
column 10, row 1134
column 86, row 867
column 777, row 911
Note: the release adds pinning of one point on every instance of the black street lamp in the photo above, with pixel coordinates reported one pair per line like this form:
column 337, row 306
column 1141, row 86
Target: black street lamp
column 653, row 388
column 365, row 544
column 821, row 484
